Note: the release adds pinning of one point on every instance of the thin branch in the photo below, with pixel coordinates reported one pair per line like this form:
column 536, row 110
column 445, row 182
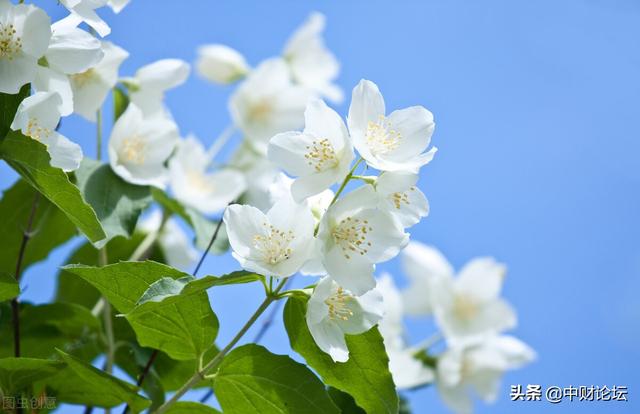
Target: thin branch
column 15, row 304
column 270, row 318
column 204, row 255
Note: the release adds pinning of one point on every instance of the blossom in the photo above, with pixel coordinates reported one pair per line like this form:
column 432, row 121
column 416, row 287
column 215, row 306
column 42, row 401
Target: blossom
column 320, row 156
column 71, row 51
column 139, row 147
column 84, row 10
column 333, row 311
column 260, row 176
column 267, row 103
column 389, row 143
column 468, row 307
column 277, row 243
column 312, row 64
column 221, row 64
column 25, row 31
column 354, row 235
column 319, row 203
column 37, row 117
column 400, row 196
column 406, row 369
column 91, row 87
column 194, row 186
column 172, row 240
column 480, row 368
column 153, row 80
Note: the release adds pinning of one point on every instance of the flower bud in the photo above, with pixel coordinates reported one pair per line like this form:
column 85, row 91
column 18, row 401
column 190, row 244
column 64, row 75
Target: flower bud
column 221, row 64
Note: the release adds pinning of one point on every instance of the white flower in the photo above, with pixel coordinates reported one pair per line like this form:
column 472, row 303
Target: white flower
column 274, row 244
column 139, row 147
column 318, row 204
column 320, row 156
column 118, row 5
column 151, row 81
column 267, row 103
column 84, row 10
column 194, row 186
column 389, row 143
column 260, row 175
column 478, row 368
column 400, row 196
column 221, row 64
column 37, row 117
column 467, row 308
column 173, row 241
column 333, row 311
column 91, row 87
column 71, row 51
column 312, row 64
column 25, row 31
column 354, row 235
column 407, row 371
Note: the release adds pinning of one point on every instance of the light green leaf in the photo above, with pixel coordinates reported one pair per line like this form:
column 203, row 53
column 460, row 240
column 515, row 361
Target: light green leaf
column 31, row 160
column 8, row 107
column 181, row 325
column 365, row 376
column 81, row 383
column 201, row 225
column 253, row 380
column 117, row 203
column 188, row 407
column 50, row 227
column 9, row 287
column 71, row 288
column 124, row 283
column 120, row 103
column 19, row 373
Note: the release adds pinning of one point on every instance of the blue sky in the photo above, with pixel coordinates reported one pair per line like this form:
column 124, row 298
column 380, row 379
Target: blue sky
column 536, row 105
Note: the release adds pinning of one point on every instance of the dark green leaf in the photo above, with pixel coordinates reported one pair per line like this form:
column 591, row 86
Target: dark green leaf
column 120, row 103
column 50, row 227
column 202, row 226
column 188, row 407
column 18, row 373
column 253, row 380
column 81, row 383
column 365, row 376
column 31, row 160
column 8, row 107
column 117, row 203
column 9, row 287
column 345, row 402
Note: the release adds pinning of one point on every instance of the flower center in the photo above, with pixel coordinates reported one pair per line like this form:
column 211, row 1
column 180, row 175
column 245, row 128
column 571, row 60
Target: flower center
column 199, row 182
column 321, row 155
column 274, row 246
column 10, row 43
column 401, row 197
column 81, row 79
column 338, row 305
column 464, row 308
column 133, row 149
column 351, row 235
column 35, row 131
column 380, row 136
column 260, row 111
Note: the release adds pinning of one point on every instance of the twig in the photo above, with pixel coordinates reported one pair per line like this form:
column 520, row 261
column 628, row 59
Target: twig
column 15, row 304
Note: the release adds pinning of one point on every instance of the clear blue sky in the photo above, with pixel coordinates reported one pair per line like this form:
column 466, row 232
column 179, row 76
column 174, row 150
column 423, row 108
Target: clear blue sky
column 537, row 109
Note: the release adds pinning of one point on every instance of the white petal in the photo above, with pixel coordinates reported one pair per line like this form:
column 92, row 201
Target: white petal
column 323, row 122
column 73, row 50
column 44, row 107
column 16, row 73
column 386, row 236
column 87, row 13
column 288, row 149
column 415, row 125
column 354, row 274
column 367, row 312
column 407, row 371
column 64, row 153
column 163, row 74
column 243, row 223
column 310, row 185
column 221, row 64
column 481, row 279
column 118, row 5
column 36, row 30
column 367, row 104
column 49, row 80
column 330, row 339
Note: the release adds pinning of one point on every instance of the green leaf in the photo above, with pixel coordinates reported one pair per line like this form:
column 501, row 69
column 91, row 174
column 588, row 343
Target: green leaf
column 181, row 324
column 73, row 289
column 202, row 226
column 8, row 107
column 81, row 383
column 46, row 327
column 188, row 407
column 117, row 203
column 19, row 373
column 365, row 376
column 120, row 103
column 124, row 283
column 50, row 227
column 9, row 287
column 31, row 160
column 253, row 380
column 345, row 402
